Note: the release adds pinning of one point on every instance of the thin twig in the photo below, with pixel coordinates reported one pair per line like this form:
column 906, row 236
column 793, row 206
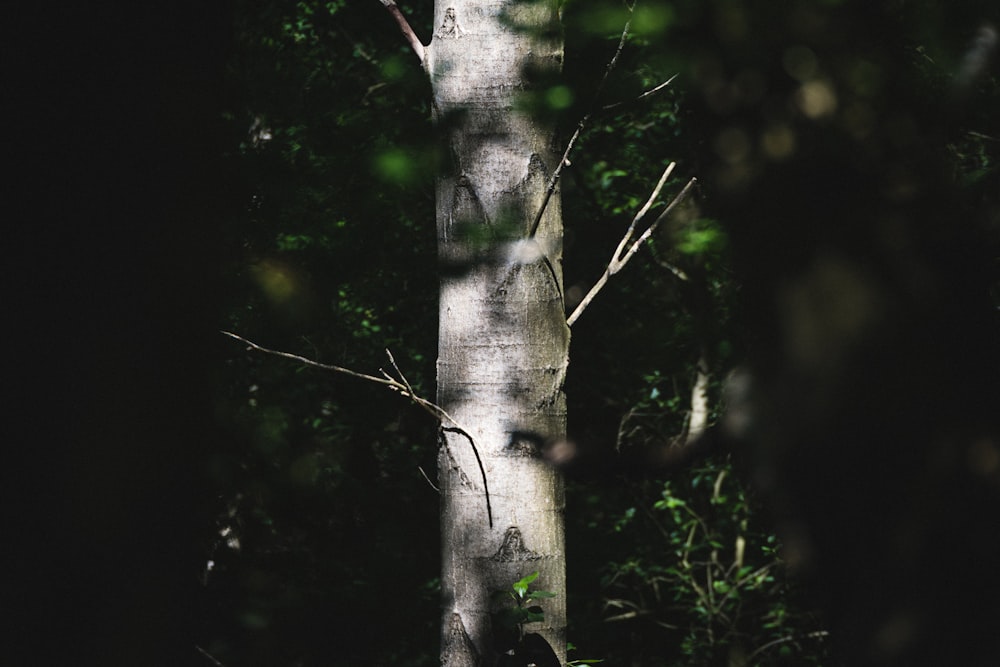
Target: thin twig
column 819, row 634
column 648, row 93
column 315, row 364
column 387, row 381
column 399, row 372
column 980, row 135
column 629, row 615
column 681, row 196
column 402, row 387
column 677, row 271
column 428, row 479
column 624, row 252
column 209, row 656
column 564, row 160
column 653, row 196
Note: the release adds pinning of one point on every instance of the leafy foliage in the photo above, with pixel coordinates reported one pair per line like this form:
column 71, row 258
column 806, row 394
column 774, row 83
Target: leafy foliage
column 517, row 647
column 708, row 577
column 523, row 611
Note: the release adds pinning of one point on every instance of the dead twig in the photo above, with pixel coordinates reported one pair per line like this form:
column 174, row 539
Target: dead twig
column 401, row 386
column 433, row 486
column 209, row 656
column 819, row 634
column 649, row 93
column 624, row 252
column 564, row 160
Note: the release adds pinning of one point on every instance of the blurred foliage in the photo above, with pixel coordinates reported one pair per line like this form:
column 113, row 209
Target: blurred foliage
column 326, row 545
column 838, row 146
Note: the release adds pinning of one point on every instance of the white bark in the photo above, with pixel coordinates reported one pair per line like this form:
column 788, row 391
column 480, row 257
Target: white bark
column 503, row 338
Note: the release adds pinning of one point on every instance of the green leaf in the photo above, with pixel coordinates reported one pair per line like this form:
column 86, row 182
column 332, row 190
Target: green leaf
column 521, row 587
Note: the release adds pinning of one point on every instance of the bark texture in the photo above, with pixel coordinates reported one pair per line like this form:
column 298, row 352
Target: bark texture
column 503, row 338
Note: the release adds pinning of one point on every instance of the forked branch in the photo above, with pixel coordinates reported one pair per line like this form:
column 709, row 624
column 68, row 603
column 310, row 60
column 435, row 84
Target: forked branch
column 627, row 247
column 401, row 386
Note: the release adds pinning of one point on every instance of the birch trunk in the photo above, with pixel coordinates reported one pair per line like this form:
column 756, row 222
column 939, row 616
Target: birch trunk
column 503, row 338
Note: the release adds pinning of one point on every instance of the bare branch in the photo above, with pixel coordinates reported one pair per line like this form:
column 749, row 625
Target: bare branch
column 399, row 373
column 819, row 634
column 677, row 271
column 563, row 161
column 315, row 364
column 401, row 386
column 554, row 180
column 679, row 199
column 654, row 195
column 618, row 259
column 209, row 656
column 598, row 286
column 404, row 27
column 980, row 135
column 648, row 93
column 428, row 479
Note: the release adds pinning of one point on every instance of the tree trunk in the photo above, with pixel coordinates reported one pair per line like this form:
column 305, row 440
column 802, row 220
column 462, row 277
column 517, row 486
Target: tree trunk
column 503, row 338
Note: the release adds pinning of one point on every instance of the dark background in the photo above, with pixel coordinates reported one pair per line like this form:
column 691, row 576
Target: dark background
column 113, row 195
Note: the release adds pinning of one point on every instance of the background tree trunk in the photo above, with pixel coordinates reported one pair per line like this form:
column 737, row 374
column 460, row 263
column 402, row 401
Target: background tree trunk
column 503, row 337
